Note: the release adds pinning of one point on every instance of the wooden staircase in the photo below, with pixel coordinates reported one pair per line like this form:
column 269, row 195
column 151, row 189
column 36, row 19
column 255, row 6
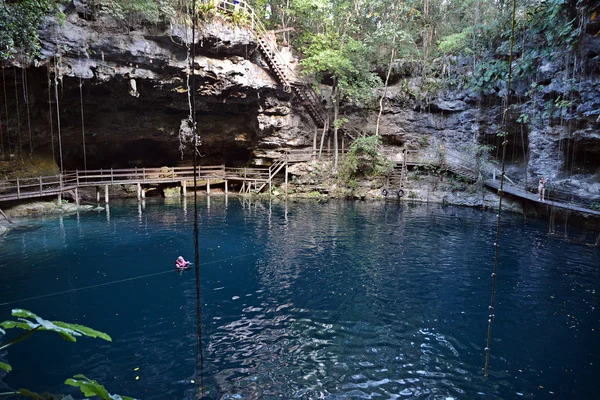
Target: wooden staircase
column 291, row 82
column 274, row 170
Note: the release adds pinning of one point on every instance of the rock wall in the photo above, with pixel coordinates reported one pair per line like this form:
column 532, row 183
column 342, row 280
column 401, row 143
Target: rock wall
column 134, row 93
column 134, row 89
column 553, row 128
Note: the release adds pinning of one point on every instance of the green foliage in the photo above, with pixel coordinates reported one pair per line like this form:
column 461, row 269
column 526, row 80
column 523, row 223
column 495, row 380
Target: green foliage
column 364, row 159
column 91, row 388
column 457, row 42
column 490, row 73
column 206, row 11
column 32, row 323
column 28, row 321
column 5, row 367
column 344, row 59
column 20, row 21
column 523, row 119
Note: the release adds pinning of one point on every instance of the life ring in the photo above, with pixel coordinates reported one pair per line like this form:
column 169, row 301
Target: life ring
column 287, row 88
column 400, row 193
column 384, row 192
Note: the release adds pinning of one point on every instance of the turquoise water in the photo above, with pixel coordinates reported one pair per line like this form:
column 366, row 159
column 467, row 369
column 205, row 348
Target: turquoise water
column 341, row 300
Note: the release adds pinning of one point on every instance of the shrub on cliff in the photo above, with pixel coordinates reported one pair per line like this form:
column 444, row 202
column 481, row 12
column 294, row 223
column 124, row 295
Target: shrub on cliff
column 364, row 160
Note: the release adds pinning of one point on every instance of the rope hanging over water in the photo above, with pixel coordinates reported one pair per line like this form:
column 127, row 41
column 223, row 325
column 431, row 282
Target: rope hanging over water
column 56, row 74
column 82, row 124
column 500, row 193
column 18, row 115
column 50, row 111
column 5, row 107
column 133, row 278
column 26, row 99
column 199, row 353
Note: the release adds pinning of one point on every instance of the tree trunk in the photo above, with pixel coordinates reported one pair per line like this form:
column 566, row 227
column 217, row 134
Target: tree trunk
column 336, row 109
column 425, row 30
column 387, row 79
column 325, row 129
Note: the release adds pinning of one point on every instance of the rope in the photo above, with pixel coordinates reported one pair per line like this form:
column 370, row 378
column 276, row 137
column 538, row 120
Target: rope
column 26, row 98
column 18, row 116
column 199, row 353
column 56, row 72
column 50, row 111
column 2, row 137
column 5, row 107
column 43, row 296
column 82, row 124
column 500, row 193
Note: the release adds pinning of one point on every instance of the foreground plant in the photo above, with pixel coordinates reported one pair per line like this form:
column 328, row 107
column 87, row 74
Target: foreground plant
column 31, row 323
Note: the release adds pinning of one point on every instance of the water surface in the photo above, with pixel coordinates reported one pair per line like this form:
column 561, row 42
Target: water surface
column 341, row 300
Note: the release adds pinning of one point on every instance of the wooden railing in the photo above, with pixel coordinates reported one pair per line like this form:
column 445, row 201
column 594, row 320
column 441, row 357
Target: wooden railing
column 23, row 188
column 282, row 70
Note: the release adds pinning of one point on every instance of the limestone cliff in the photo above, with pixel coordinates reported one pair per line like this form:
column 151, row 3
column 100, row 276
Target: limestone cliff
column 134, row 81
column 134, row 92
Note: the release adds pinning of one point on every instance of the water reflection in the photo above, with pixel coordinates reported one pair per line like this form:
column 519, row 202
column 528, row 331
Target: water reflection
column 307, row 300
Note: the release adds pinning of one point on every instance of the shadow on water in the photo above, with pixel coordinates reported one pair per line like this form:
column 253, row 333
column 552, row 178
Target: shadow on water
column 335, row 300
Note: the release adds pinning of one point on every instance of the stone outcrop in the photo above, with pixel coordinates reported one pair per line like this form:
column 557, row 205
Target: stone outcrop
column 134, row 91
column 135, row 79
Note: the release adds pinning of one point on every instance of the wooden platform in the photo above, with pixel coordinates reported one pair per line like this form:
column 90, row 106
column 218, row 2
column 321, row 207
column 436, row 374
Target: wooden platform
column 514, row 191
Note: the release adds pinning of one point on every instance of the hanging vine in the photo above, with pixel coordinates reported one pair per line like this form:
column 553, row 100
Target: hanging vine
column 500, row 193
column 18, row 116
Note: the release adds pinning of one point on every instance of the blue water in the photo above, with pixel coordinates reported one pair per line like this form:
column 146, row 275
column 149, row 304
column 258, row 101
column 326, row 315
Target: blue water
column 341, row 300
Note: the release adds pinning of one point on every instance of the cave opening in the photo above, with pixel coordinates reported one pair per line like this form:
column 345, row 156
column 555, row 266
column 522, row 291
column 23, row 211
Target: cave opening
column 581, row 157
column 517, row 149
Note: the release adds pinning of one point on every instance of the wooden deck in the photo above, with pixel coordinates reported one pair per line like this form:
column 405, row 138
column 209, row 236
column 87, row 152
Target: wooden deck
column 252, row 179
column 518, row 192
column 42, row 186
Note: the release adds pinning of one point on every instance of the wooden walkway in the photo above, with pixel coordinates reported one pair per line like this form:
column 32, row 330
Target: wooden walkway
column 465, row 169
column 42, row 186
column 252, row 179
column 521, row 193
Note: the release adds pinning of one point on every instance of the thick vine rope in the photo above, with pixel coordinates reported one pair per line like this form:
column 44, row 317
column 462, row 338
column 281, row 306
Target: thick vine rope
column 500, row 193
column 199, row 354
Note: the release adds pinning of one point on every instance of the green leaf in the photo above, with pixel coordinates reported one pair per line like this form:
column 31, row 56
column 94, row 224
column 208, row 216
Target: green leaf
column 19, row 312
column 19, row 338
column 5, row 367
column 84, row 330
column 67, row 331
column 41, row 396
column 15, row 324
column 90, row 387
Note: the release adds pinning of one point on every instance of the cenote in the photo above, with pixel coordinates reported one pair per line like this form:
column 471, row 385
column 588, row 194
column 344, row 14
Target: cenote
column 335, row 300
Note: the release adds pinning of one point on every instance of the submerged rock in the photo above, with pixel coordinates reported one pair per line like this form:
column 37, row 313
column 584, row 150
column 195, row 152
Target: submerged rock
column 45, row 208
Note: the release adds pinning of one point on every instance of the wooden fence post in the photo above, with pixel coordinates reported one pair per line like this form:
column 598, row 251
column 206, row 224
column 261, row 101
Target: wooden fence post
column 18, row 189
column 41, row 189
